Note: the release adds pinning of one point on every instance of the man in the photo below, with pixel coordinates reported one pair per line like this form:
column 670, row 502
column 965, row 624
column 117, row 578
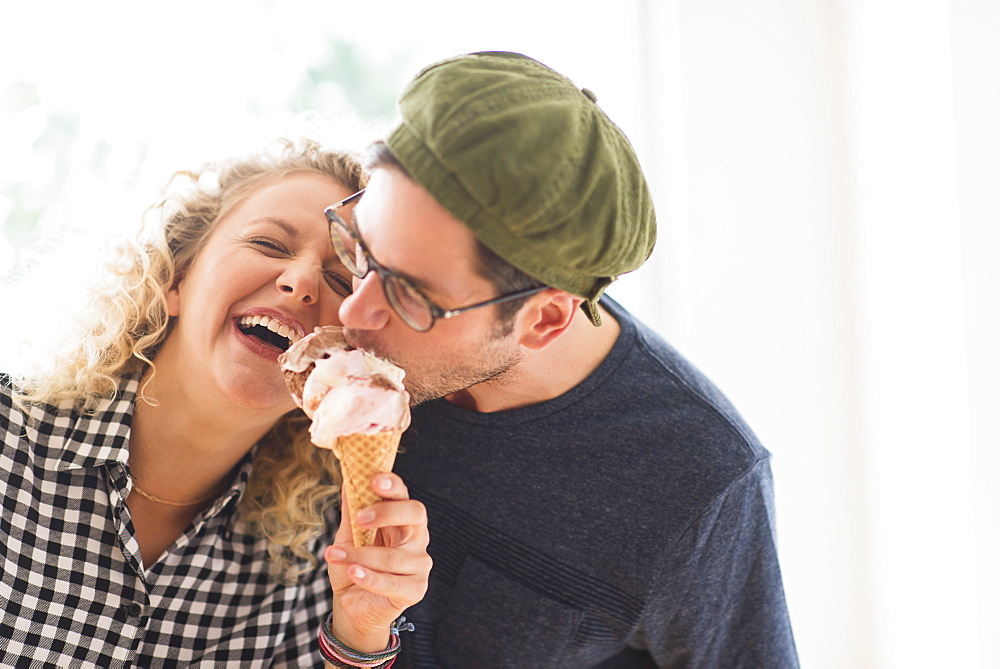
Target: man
column 593, row 500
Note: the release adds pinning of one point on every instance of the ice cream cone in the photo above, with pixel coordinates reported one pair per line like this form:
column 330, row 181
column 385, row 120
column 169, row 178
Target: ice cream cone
column 359, row 408
column 361, row 457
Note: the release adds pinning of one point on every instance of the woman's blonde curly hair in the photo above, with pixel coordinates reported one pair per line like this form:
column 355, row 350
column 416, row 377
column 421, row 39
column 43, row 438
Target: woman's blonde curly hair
column 293, row 484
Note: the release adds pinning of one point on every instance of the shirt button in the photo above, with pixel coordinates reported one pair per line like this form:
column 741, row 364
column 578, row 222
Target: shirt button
column 134, row 610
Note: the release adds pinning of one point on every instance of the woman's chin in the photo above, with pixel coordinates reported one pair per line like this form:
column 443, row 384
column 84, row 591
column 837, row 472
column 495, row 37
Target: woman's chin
column 272, row 398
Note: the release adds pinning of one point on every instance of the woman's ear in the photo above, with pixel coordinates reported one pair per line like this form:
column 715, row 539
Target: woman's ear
column 546, row 316
column 173, row 295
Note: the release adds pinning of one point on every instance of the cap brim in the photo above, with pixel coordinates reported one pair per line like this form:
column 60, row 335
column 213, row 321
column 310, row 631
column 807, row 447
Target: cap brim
column 593, row 313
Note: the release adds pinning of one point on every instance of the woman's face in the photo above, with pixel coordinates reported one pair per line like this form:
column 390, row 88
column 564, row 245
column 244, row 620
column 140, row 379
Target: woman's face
column 267, row 275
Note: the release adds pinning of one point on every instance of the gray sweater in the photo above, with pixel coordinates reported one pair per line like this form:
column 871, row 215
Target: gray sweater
column 628, row 522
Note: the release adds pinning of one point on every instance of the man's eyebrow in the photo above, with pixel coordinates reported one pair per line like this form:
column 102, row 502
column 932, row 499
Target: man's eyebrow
column 287, row 227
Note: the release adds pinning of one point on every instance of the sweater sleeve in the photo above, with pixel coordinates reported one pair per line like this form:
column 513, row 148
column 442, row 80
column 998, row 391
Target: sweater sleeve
column 724, row 606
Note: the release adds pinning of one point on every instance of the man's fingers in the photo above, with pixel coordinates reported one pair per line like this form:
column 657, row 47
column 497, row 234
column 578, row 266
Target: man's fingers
column 389, row 486
column 407, row 518
column 407, row 587
column 386, row 560
column 344, row 535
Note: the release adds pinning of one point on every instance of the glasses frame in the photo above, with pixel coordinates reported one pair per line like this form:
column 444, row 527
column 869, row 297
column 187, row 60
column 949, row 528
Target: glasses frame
column 387, row 275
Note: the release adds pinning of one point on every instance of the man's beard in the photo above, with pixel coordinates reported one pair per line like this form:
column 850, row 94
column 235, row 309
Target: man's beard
column 445, row 382
column 493, row 363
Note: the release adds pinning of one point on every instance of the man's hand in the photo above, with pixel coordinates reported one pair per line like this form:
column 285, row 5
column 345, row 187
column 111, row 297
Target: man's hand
column 372, row 585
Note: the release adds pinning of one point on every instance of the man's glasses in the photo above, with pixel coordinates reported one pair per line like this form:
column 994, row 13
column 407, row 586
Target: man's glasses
column 410, row 304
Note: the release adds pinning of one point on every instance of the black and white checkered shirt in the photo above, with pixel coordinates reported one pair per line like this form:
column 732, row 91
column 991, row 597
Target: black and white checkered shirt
column 74, row 592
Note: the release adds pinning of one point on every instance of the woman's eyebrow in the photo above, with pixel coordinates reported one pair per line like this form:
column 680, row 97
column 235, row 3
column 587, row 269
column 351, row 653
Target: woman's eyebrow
column 287, row 227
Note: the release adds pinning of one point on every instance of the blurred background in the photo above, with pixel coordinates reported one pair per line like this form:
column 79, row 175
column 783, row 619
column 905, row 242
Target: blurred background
column 826, row 177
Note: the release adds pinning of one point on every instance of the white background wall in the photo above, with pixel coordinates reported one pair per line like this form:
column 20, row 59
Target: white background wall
column 825, row 174
column 840, row 221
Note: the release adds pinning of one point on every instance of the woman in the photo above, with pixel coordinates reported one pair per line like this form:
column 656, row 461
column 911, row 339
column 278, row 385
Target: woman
column 163, row 504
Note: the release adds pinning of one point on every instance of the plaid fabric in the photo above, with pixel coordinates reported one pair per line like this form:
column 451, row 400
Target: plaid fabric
column 74, row 592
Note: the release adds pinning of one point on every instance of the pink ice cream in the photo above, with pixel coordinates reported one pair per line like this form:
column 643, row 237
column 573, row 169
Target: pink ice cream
column 346, row 391
column 353, row 392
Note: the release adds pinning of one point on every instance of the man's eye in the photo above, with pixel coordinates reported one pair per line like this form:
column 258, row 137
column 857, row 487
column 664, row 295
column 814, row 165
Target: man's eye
column 340, row 285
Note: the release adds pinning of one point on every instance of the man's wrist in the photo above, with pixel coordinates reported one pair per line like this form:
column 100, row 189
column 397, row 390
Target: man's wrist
column 372, row 639
column 337, row 653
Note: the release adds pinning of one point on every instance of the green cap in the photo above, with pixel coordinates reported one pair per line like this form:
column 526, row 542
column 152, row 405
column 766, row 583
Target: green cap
column 532, row 165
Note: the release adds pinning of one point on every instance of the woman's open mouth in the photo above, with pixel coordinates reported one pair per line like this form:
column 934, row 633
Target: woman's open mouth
column 269, row 331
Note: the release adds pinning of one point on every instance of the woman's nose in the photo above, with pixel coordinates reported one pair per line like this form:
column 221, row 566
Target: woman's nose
column 300, row 283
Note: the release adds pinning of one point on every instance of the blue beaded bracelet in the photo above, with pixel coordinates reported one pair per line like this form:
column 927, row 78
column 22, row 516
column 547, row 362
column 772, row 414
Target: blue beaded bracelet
column 339, row 654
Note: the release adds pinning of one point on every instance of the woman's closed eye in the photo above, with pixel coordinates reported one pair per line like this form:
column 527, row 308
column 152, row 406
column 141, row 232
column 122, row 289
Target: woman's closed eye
column 268, row 246
column 340, row 284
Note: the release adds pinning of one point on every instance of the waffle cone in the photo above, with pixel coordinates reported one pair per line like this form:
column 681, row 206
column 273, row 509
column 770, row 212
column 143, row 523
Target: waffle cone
column 362, row 456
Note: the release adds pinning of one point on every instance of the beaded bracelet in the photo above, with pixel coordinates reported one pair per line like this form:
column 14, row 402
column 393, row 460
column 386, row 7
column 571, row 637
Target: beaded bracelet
column 341, row 655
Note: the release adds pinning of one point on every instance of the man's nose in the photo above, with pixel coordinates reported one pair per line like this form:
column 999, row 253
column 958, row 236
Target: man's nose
column 367, row 307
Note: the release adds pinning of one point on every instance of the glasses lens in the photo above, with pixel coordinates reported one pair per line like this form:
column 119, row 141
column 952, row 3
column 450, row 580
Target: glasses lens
column 360, row 260
column 409, row 303
column 346, row 245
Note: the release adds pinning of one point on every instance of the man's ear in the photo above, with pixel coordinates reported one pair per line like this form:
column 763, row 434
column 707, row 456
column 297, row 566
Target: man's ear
column 546, row 316
column 173, row 295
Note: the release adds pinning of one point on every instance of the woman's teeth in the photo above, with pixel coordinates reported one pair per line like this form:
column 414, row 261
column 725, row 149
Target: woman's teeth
column 272, row 325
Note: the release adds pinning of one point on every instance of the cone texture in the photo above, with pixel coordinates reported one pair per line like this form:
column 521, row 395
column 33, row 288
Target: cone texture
column 361, row 457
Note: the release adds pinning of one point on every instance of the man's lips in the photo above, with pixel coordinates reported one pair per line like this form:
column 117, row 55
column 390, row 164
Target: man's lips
column 362, row 339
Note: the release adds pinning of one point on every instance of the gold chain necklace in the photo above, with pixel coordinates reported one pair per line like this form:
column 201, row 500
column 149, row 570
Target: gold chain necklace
column 160, row 500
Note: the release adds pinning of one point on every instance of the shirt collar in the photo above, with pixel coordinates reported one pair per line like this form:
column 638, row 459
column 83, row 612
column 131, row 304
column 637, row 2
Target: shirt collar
column 101, row 437
column 95, row 438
